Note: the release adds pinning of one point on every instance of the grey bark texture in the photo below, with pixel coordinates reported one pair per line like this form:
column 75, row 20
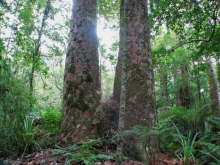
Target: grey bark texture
column 119, row 93
column 137, row 99
column 81, row 79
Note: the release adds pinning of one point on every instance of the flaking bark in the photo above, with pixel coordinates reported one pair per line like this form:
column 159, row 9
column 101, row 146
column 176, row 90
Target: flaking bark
column 81, row 79
column 137, row 101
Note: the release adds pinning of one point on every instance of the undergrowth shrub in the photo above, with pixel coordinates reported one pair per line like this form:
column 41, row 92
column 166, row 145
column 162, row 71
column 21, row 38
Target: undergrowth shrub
column 186, row 133
column 186, row 119
column 16, row 130
column 87, row 153
column 47, row 127
column 51, row 118
column 208, row 143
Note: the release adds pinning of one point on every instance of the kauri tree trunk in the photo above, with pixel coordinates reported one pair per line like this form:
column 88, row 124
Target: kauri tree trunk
column 213, row 87
column 137, row 102
column 81, row 79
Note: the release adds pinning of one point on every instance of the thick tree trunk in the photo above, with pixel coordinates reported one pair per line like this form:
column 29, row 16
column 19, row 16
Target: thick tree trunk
column 81, row 79
column 137, row 102
column 213, row 85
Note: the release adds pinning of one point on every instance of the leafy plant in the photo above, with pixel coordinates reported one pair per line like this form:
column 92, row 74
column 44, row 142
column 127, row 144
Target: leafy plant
column 51, row 118
column 28, row 132
column 86, row 153
column 187, row 143
column 186, row 119
column 16, row 128
column 191, row 135
column 46, row 127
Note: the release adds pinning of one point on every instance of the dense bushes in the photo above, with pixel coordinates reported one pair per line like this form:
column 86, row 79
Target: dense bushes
column 47, row 127
column 186, row 119
column 51, row 118
column 86, row 153
column 184, row 133
column 187, row 134
column 15, row 127
column 18, row 131
column 190, row 133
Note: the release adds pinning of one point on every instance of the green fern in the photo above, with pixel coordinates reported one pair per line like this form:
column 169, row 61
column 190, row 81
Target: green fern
column 86, row 153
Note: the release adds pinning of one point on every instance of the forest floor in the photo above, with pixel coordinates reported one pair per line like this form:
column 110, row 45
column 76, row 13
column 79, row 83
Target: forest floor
column 45, row 157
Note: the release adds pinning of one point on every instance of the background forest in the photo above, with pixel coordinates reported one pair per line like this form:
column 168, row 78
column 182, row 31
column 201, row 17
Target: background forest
column 183, row 42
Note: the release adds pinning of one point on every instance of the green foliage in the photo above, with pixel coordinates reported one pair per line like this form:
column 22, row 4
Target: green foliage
column 15, row 127
column 46, row 127
column 187, row 143
column 109, row 58
column 109, row 9
column 86, row 153
column 209, row 147
column 193, row 32
column 51, row 118
column 186, row 119
column 194, row 22
column 107, row 84
column 186, row 133
column 28, row 131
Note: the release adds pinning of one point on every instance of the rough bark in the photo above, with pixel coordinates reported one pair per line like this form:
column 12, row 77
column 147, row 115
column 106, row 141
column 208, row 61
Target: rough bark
column 81, row 79
column 213, row 87
column 107, row 113
column 121, row 76
column 137, row 102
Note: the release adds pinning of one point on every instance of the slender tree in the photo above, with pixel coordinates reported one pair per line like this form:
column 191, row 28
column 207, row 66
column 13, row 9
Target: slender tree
column 81, row 79
column 36, row 52
column 137, row 105
column 183, row 93
column 218, row 71
column 213, row 87
column 164, row 87
column 2, row 87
